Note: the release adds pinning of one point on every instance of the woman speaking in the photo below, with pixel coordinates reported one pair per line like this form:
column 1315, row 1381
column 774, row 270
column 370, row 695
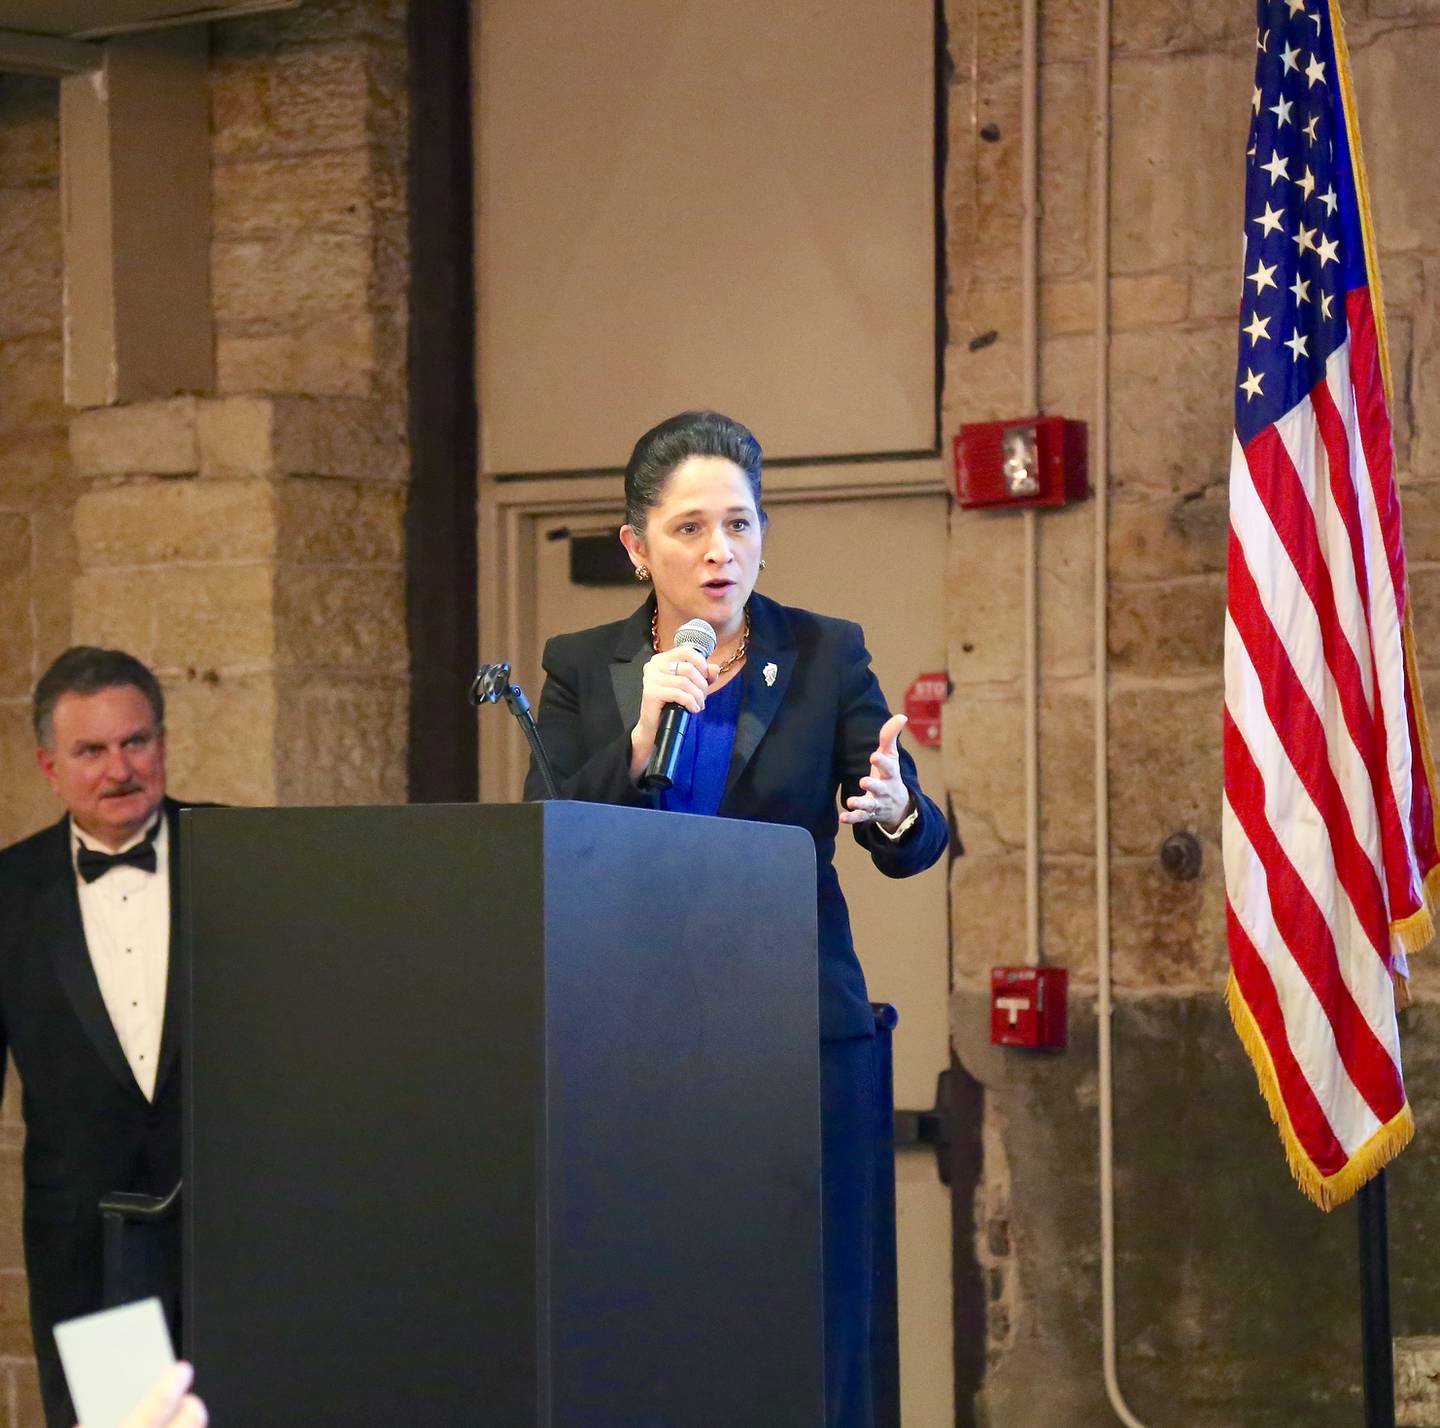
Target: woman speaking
column 783, row 714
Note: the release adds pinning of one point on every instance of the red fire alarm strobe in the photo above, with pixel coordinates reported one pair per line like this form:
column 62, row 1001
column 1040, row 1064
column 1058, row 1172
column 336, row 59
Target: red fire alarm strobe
column 924, row 701
column 1027, row 461
column 1027, row 1007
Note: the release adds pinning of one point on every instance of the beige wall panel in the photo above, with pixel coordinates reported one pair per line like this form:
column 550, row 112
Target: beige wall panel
column 683, row 204
column 136, row 200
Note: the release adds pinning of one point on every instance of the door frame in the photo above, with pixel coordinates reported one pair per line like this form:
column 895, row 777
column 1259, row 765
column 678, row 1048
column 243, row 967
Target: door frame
column 510, row 508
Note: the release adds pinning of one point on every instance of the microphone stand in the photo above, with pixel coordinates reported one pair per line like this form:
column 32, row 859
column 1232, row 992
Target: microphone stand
column 491, row 685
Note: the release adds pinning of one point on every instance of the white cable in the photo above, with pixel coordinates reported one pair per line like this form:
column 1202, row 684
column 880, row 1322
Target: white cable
column 1100, row 457
column 1030, row 399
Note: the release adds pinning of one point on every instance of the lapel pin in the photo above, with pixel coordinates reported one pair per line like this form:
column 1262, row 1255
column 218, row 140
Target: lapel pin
column 770, row 671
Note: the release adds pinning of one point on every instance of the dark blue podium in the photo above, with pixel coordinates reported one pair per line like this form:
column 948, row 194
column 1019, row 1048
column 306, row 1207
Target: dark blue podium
column 501, row 1116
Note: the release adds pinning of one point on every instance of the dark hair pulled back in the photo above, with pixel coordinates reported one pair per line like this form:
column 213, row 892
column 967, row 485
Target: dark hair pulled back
column 673, row 442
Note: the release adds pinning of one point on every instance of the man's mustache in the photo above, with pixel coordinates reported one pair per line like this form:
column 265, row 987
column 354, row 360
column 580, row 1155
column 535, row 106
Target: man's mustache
column 122, row 790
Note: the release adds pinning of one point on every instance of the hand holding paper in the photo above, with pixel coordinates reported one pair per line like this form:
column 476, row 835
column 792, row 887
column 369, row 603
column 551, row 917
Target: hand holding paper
column 122, row 1373
column 168, row 1405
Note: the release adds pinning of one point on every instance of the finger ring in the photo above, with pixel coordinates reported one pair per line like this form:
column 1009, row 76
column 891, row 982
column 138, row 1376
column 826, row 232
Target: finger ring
column 675, row 666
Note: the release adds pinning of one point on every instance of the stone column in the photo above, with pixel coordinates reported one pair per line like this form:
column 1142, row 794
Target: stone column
column 37, row 495
column 36, row 490
column 248, row 542
column 250, row 549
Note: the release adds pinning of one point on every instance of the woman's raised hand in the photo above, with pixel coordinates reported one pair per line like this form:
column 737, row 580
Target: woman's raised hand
column 680, row 676
column 885, row 799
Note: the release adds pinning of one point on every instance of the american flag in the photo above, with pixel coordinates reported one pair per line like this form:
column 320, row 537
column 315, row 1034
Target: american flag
column 1329, row 812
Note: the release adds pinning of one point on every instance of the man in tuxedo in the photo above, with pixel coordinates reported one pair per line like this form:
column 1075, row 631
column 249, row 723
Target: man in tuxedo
column 88, row 1005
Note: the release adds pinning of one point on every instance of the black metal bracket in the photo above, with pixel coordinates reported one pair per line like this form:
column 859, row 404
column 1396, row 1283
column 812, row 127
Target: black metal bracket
column 492, row 684
column 932, row 1127
column 127, row 1220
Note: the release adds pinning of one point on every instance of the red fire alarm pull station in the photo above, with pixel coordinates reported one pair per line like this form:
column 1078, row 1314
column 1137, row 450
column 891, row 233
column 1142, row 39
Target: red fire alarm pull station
column 1028, row 461
column 924, row 701
column 1027, row 1007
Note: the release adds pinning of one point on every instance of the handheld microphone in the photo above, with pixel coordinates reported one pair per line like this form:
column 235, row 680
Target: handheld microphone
column 675, row 719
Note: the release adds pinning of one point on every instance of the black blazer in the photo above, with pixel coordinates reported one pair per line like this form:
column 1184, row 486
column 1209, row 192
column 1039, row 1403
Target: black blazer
column 88, row 1127
column 797, row 741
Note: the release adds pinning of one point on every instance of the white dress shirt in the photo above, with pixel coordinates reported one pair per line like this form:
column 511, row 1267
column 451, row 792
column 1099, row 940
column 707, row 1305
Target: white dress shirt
column 126, row 912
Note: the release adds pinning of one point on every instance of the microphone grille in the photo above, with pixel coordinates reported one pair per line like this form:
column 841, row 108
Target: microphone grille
column 700, row 633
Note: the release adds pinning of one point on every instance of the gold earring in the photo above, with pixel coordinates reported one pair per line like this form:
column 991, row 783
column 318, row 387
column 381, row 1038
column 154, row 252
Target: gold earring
column 762, row 562
column 642, row 572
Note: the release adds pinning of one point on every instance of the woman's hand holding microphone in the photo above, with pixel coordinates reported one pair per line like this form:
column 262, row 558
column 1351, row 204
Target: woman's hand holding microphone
column 680, row 676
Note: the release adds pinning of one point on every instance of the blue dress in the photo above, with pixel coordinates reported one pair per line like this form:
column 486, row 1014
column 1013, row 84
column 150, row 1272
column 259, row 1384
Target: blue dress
column 704, row 760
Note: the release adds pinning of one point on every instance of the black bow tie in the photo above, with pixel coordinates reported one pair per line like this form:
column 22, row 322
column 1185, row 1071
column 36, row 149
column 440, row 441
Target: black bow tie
column 92, row 863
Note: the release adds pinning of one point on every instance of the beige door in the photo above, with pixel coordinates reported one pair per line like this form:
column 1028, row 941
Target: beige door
column 879, row 560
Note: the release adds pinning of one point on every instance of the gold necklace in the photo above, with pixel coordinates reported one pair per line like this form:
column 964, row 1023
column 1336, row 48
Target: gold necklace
column 729, row 663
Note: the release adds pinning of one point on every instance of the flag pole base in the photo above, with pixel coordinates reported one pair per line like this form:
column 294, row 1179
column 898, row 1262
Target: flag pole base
column 1376, row 1345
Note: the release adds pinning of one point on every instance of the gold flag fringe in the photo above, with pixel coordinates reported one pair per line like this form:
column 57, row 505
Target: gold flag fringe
column 1327, row 1191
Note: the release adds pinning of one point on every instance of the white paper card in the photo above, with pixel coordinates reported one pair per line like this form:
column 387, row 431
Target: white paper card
column 113, row 1358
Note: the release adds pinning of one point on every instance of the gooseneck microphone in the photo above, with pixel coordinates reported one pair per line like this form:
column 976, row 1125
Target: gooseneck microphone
column 492, row 684
column 675, row 718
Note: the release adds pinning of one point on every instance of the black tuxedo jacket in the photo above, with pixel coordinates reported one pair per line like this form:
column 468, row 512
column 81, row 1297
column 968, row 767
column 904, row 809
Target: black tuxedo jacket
column 801, row 735
column 89, row 1129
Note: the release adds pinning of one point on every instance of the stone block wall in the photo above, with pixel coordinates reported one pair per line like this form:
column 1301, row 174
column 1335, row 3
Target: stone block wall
column 264, row 583
column 1238, row 1302
column 37, row 488
column 37, row 560
column 248, row 541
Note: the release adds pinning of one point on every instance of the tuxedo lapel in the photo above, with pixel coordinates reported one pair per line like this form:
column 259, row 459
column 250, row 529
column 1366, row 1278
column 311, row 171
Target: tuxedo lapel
column 771, row 649
column 175, row 974
column 61, row 932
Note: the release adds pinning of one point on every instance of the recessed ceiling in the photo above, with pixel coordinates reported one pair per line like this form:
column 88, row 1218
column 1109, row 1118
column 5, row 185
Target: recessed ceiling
column 92, row 19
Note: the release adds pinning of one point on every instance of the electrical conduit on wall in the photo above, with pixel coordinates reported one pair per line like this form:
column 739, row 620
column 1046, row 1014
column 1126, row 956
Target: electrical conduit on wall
column 1030, row 401
column 1099, row 445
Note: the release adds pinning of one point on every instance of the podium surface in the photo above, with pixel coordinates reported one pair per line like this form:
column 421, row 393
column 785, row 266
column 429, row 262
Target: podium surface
column 502, row 1115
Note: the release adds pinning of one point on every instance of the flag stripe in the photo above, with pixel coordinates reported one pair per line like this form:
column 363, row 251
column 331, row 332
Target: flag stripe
column 1305, row 841
column 1401, row 889
column 1323, row 520
column 1287, row 503
column 1302, row 926
column 1307, row 1119
column 1303, row 750
column 1296, row 624
column 1376, row 438
column 1372, row 419
column 1395, row 744
column 1343, row 1112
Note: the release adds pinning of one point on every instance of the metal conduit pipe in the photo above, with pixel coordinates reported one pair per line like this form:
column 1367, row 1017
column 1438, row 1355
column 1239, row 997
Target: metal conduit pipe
column 1030, row 401
column 1099, row 445
column 1100, row 448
